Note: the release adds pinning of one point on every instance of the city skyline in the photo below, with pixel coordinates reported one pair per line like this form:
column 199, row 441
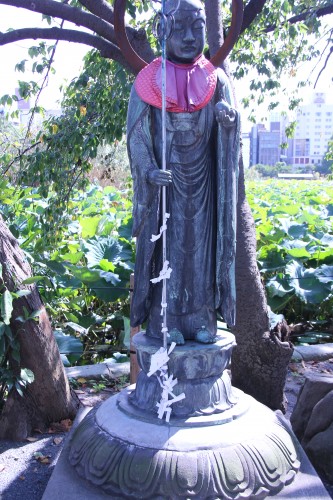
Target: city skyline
column 308, row 146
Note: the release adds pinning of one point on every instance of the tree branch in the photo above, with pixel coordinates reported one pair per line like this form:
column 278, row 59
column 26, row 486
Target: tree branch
column 323, row 11
column 44, row 83
column 138, row 38
column 251, row 10
column 19, row 155
column 100, row 8
column 255, row 7
column 107, row 49
column 67, row 13
column 323, row 68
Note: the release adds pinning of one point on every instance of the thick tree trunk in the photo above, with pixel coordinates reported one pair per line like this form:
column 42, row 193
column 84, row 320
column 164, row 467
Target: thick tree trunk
column 49, row 398
column 261, row 357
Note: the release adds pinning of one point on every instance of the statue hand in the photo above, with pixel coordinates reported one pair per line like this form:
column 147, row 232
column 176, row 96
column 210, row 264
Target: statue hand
column 225, row 115
column 159, row 177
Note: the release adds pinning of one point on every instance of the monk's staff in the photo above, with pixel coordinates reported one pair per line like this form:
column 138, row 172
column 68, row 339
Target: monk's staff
column 162, row 30
column 164, row 167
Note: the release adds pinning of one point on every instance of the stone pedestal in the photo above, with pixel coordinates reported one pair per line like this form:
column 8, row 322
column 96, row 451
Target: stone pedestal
column 201, row 373
column 219, row 444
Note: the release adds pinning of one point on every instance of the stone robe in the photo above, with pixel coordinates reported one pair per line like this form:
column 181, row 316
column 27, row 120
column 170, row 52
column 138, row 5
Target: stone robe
column 201, row 234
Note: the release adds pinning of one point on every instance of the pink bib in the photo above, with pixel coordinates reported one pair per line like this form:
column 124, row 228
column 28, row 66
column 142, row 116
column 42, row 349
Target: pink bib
column 189, row 86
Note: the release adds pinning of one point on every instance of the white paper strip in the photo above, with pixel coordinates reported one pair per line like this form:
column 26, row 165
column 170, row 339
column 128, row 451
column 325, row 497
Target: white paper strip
column 162, row 229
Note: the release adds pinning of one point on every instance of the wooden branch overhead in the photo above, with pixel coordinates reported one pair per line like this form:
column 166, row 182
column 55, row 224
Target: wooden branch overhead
column 67, row 13
column 99, row 17
column 106, row 48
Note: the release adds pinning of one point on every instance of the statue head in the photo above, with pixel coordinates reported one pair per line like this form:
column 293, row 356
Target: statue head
column 188, row 35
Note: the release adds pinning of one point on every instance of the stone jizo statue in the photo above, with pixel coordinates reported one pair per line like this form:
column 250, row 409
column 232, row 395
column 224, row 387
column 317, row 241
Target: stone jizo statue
column 183, row 431
column 202, row 132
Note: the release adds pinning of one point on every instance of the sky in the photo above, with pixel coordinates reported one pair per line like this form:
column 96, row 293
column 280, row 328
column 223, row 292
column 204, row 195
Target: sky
column 68, row 61
column 68, row 57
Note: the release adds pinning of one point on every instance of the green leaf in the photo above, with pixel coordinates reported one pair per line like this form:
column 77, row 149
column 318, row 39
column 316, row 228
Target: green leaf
column 325, row 274
column 327, row 240
column 125, row 230
column 306, row 284
column 292, row 228
column 105, row 265
column 77, row 328
column 120, row 358
column 65, row 360
column 279, row 303
column 33, row 279
column 89, row 226
column 27, row 375
column 68, row 345
column 127, row 330
column 84, row 274
column 320, row 256
column 298, row 253
column 19, row 389
column 270, row 257
column 293, row 209
column 274, row 319
column 277, row 287
column 73, row 258
column 22, row 293
column 6, row 306
column 102, row 248
column 56, row 267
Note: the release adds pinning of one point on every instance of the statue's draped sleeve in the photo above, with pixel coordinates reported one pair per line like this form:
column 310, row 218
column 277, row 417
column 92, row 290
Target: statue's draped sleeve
column 146, row 202
column 228, row 140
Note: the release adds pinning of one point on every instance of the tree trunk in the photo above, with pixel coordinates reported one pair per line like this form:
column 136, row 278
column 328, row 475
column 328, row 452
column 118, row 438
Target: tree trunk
column 49, row 398
column 261, row 357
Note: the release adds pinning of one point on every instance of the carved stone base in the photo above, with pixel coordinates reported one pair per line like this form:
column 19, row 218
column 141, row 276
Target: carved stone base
column 243, row 452
column 200, row 370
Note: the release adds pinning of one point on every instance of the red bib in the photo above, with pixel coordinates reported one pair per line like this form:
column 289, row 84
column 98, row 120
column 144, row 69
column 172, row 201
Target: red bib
column 189, row 87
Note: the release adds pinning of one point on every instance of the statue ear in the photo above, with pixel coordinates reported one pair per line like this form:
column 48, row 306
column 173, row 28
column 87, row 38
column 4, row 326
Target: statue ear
column 137, row 63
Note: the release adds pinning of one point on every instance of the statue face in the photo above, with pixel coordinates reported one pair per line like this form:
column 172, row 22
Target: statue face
column 188, row 37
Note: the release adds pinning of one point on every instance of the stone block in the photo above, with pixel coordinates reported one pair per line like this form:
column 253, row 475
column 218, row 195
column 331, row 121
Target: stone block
column 312, row 422
column 314, row 389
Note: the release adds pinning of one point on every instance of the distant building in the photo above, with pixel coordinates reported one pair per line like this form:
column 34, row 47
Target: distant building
column 313, row 131
column 265, row 145
column 254, row 142
column 307, row 148
column 246, row 141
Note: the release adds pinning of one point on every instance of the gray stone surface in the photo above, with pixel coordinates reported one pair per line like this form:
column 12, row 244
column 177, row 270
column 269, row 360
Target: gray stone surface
column 313, row 390
column 243, row 451
column 312, row 421
column 65, row 484
column 319, row 352
column 108, row 370
column 200, row 370
column 202, row 152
